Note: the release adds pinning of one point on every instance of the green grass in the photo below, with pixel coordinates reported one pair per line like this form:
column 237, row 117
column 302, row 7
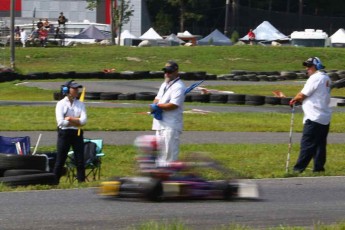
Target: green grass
column 136, row 119
column 216, row 60
column 180, row 225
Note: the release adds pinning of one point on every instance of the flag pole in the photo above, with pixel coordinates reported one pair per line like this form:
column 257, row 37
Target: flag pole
column 82, row 96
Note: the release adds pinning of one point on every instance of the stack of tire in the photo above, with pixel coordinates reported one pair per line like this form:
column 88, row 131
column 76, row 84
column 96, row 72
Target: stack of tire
column 23, row 170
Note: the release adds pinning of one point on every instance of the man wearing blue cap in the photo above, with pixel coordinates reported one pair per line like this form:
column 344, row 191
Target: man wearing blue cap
column 70, row 116
column 315, row 99
column 168, row 106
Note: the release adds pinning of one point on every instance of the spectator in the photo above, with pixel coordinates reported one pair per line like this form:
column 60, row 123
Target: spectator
column 46, row 23
column 39, row 24
column 17, row 33
column 315, row 98
column 62, row 19
column 169, row 101
column 43, row 36
column 251, row 37
column 23, row 37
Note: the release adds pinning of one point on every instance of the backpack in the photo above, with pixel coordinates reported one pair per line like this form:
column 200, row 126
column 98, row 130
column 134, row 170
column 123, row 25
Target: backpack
column 90, row 150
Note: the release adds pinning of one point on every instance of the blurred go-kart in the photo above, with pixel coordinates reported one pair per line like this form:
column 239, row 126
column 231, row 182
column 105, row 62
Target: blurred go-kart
column 176, row 180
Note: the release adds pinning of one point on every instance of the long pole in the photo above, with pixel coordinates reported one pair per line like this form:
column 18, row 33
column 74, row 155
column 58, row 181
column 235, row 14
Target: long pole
column 12, row 45
column 290, row 139
column 226, row 17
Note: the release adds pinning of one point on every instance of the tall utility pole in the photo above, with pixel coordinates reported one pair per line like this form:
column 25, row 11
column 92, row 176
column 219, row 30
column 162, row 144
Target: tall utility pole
column 226, row 17
column 12, row 45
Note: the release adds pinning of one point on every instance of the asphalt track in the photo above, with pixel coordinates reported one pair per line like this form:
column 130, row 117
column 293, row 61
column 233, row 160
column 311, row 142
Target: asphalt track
column 284, row 202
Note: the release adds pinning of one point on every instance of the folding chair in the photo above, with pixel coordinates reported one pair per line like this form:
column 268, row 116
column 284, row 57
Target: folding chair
column 15, row 145
column 93, row 153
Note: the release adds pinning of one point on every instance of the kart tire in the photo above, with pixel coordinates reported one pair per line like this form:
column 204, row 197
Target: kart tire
column 31, row 179
column 11, row 161
column 154, row 191
column 19, row 172
column 230, row 192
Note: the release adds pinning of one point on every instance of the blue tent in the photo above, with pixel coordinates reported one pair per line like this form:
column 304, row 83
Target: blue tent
column 92, row 32
column 215, row 38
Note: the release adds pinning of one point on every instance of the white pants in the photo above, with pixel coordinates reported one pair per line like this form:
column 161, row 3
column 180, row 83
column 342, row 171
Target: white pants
column 171, row 144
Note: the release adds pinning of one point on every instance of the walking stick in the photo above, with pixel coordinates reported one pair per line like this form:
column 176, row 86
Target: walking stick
column 290, row 138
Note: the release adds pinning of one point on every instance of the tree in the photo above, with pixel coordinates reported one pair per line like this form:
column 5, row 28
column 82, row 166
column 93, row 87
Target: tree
column 184, row 13
column 120, row 15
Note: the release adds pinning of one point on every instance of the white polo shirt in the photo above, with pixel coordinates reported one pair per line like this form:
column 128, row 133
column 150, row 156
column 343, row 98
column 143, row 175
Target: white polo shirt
column 64, row 108
column 316, row 105
column 172, row 92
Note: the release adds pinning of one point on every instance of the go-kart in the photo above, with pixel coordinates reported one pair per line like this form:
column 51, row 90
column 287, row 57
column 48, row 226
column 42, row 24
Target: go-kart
column 177, row 182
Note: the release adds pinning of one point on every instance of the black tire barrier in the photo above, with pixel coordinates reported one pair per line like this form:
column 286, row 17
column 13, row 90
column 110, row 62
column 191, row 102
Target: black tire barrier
column 200, row 97
column 19, row 172
column 238, row 72
column 32, row 179
column 114, row 75
column 234, row 75
column 272, row 100
column 126, row 96
column 254, row 100
column 285, row 100
column 109, row 96
column 157, row 74
column 237, row 99
column 127, row 75
column 218, row 98
column 188, row 98
column 12, row 161
column 333, row 76
column 92, row 96
column 145, row 96
column 57, row 96
column 141, row 74
column 211, row 77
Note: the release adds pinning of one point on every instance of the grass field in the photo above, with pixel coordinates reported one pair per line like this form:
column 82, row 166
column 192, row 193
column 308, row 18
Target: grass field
column 215, row 60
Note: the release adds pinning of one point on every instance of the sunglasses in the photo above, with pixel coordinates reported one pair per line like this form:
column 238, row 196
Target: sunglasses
column 168, row 71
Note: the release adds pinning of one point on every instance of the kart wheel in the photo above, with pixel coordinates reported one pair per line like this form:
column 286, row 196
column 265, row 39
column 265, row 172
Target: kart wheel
column 154, row 191
column 230, row 192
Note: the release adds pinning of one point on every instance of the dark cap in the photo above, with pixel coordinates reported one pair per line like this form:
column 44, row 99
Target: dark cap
column 72, row 84
column 170, row 66
column 314, row 61
column 75, row 85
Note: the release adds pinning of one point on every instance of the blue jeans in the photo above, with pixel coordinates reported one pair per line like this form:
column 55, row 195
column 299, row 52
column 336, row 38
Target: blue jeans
column 313, row 145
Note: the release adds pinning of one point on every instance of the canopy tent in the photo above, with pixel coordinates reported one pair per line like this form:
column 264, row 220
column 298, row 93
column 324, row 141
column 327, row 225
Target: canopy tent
column 127, row 34
column 216, row 38
column 338, row 38
column 91, row 32
column 151, row 34
column 126, row 38
column 266, row 32
column 174, row 39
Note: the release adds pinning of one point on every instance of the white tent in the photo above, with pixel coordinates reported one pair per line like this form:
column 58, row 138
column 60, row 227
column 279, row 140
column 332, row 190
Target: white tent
column 151, row 34
column 338, row 38
column 125, row 35
column 266, row 32
column 216, row 38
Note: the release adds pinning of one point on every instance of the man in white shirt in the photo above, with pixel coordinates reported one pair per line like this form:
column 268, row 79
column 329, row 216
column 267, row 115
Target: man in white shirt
column 169, row 101
column 315, row 99
column 70, row 116
column 23, row 37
